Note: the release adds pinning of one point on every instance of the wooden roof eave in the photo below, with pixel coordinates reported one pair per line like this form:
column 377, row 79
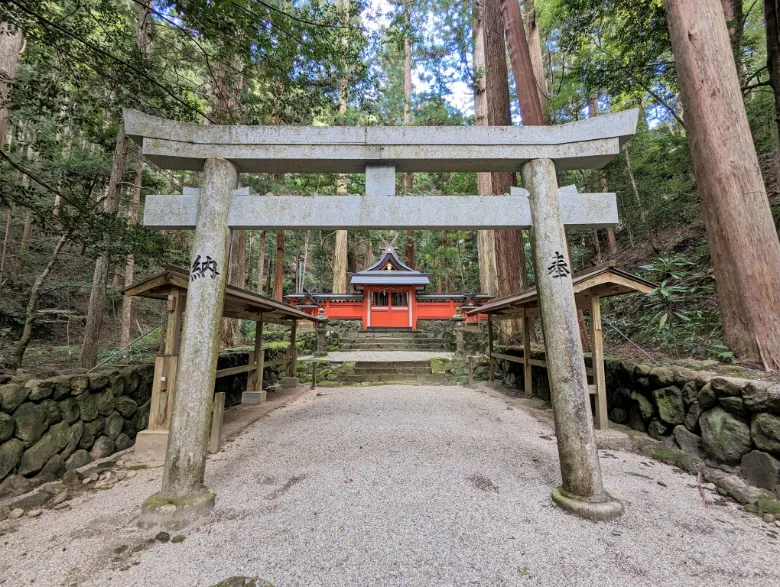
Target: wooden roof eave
column 239, row 303
column 604, row 281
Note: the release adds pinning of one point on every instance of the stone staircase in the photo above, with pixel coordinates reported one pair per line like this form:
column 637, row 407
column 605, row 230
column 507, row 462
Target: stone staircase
column 391, row 339
column 396, row 372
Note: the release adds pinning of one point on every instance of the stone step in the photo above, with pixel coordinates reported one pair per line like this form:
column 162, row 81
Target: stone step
column 413, row 366
column 429, row 379
column 363, row 347
column 391, row 333
column 388, row 340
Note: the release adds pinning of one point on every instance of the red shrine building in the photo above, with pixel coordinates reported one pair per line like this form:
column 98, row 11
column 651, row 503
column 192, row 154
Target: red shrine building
column 388, row 294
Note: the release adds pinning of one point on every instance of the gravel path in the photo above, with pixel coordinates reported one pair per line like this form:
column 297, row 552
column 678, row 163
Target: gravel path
column 383, row 356
column 400, row 486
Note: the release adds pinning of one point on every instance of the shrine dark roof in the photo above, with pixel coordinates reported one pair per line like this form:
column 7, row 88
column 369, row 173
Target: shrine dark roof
column 389, row 270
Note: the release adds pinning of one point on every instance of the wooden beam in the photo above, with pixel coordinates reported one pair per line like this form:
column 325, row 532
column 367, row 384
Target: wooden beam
column 235, row 370
column 217, row 417
column 601, row 419
column 176, row 302
column 491, row 369
column 527, row 380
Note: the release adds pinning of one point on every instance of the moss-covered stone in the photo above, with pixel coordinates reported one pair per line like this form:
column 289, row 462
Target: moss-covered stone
column 35, row 457
column 91, row 431
column 126, row 406
column 645, row 405
column 725, row 438
column 30, row 423
column 635, row 420
column 10, row 455
column 707, row 398
column 669, row 400
column 53, row 469
column 61, row 387
column 74, row 437
column 123, row 442
column 103, row 447
column 88, row 406
column 658, row 429
column 105, row 402
column 78, row 459
column 69, row 409
column 765, row 428
column 769, row 505
column 97, row 381
column 7, row 426
column 13, row 396
column 114, row 425
column 51, row 410
column 692, row 417
column 78, row 384
column 39, row 389
column 727, row 386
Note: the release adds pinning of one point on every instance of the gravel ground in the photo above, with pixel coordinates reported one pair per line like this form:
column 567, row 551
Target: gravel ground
column 383, row 356
column 400, row 485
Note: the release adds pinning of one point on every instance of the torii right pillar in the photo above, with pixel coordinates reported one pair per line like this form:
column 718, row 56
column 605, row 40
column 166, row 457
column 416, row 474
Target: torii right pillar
column 582, row 492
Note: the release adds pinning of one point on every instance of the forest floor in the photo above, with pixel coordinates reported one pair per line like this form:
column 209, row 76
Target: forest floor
column 400, row 485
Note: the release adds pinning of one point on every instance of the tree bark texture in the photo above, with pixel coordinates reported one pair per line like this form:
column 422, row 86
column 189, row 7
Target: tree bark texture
column 97, row 297
column 279, row 275
column 520, row 57
column 260, row 261
column 32, row 305
column 537, row 56
column 510, row 255
column 772, row 21
column 132, row 214
column 743, row 241
column 486, row 239
column 340, row 262
column 11, row 45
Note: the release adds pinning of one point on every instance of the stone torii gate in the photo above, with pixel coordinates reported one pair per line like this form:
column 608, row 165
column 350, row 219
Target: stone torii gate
column 222, row 152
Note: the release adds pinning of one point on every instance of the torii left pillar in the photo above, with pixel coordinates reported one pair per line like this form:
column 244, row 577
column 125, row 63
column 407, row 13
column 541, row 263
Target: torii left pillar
column 183, row 495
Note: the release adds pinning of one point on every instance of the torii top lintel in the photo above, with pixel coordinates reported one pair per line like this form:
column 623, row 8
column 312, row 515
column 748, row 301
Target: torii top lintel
column 585, row 144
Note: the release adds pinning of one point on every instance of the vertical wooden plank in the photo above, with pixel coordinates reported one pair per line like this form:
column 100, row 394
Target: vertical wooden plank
column 293, row 348
column 314, row 375
column 490, row 348
column 601, row 419
column 163, row 385
column 527, row 380
column 471, row 371
column 217, row 415
column 173, row 329
column 259, row 354
column 254, row 378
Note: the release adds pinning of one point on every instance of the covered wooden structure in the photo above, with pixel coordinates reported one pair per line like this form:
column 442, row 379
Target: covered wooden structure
column 171, row 285
column 589, row 287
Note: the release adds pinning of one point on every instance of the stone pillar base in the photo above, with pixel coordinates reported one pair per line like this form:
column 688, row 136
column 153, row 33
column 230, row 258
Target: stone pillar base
column 289, row 382
column 159, row 511
column 253, row 398
column 600, row 509
column 150, row 445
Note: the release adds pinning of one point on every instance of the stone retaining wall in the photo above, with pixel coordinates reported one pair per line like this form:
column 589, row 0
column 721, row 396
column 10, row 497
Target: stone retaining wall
column 732, row 423
column 50, row 426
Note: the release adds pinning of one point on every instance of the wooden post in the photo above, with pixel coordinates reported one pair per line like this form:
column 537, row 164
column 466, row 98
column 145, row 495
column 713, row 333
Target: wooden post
column 254, row 381
column 471, row 371
column 173, row 330
column 293, row 349
column 527, row 380
column 314, row 375
column 490, row 349
column 601, row 419
column 254, row 393
column 217, row 415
